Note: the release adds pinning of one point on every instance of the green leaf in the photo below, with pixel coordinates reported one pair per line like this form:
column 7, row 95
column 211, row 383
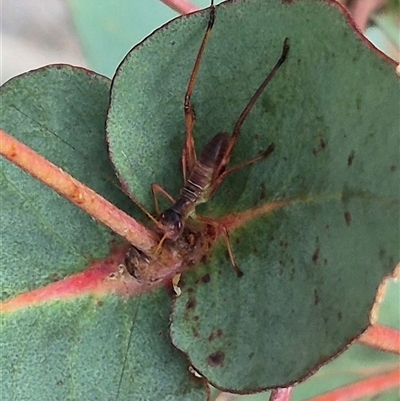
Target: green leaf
column 75, row 344
column 356, row 363
column 312, row 268
column 85, row 349
column 42, row 233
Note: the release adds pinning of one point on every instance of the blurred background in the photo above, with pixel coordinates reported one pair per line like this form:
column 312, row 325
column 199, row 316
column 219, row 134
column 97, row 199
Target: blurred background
column 98, row 33
column 91, row 33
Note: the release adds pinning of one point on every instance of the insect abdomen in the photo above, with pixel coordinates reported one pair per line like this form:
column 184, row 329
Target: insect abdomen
column 203, row 172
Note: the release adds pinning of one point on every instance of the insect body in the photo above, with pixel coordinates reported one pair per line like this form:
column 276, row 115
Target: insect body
column 202, row 177
column 197, row 187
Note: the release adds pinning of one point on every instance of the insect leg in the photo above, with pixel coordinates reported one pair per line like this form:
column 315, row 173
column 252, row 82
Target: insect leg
column 155, row 188
column 225, row 232
column 218, row 181
column 235, row 266
column 188, row 151
column 247, row 109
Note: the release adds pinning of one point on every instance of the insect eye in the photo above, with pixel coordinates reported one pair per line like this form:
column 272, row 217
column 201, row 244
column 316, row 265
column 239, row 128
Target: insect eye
column 178, row 224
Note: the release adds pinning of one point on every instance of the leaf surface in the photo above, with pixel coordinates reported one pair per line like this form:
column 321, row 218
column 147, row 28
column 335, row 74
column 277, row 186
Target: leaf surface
column 311, row 268
column 68, row 331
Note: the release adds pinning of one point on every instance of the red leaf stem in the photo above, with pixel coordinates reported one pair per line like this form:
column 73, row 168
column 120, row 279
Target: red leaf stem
column 281, row 394
column 181, row 6
column 364, row 388
column 382, row 337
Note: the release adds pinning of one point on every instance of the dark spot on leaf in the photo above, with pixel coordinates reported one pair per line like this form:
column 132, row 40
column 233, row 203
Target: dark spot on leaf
column 339, row 315
column 272, row 238
column 327, row 227
column 60, row 383
column 255, row 250
column 347, row 217
column 314, row 152
column 100, row 303
column 292, row 311
column 285, row 159
column 316, row 298
column 206, row 279
column 280, row 272
column 292, row 274
column 283, row 244
column 315, row 256
column 350, row 158
column 393, row 168
column 196, row 333
column 358, row 103
column 55, row 277
column 382, row 253
column 237, row 240
column 216, row 359
column 322, row 142
column 191, row 304
column 325, row 262
column 195, row 318
column 204, row 259
column 256, row 137
column 210, row 231
column 215, row 334
column 189, row 290
column 173, row 43
column 263, row 192
column 160, row 333
column 282, row 263
column 251, row 355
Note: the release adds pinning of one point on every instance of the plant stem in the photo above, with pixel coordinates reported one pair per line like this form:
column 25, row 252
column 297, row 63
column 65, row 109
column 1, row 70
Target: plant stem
column 76, row 192
column 369, row 387
column 181, row 6
column 382, row 337
column 281, row 394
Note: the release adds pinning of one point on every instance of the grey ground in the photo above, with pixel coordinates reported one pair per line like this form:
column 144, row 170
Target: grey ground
column 34, row 33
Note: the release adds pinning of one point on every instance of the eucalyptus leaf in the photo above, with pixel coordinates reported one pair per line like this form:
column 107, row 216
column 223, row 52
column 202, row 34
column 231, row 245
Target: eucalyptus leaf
column 312, row 268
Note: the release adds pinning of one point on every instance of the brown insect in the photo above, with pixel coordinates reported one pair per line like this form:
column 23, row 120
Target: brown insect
column 201, row 176
column 204, row 175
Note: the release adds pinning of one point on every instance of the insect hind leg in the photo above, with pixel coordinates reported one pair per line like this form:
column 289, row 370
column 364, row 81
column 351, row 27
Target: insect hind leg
column 239, row 166
column 188, row 151
column 221, row 173
column 259, row 91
